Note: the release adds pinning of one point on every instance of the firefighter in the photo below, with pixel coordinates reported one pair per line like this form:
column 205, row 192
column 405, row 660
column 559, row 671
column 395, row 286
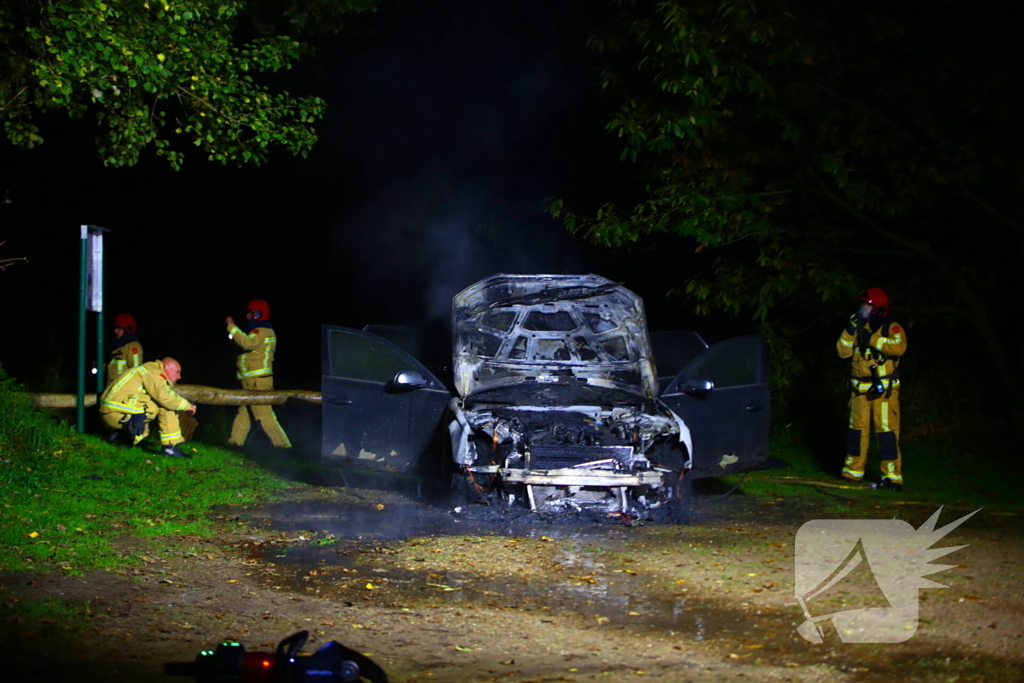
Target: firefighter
column 875, row 344
column 127, row 353
column 255, row 370
column 143, row 394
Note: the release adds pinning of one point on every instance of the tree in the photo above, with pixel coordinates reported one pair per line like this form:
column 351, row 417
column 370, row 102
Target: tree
column 162, row 73
column 806, row 148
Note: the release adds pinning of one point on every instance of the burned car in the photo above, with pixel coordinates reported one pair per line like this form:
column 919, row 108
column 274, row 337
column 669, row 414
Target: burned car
column 558, row 401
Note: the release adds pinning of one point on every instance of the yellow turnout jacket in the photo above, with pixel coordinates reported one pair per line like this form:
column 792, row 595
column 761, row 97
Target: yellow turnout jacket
column 881, row 348
column 258, row 346
column 124, row 357
column 137, row 387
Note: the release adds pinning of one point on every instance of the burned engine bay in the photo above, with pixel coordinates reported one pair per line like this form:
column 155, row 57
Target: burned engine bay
column 557, row 406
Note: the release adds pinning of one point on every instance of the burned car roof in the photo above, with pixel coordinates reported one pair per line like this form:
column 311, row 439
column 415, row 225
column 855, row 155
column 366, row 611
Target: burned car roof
column 556, row 339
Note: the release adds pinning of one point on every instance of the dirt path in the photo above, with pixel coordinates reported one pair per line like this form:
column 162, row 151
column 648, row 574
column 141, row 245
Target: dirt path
column 543, row 602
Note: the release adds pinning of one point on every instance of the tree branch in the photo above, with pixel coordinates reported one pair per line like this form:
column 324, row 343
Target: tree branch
column 1007, row 371
column 15, row 98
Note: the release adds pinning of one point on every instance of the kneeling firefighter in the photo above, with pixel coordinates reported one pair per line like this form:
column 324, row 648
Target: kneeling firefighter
column 141, row 395
column 875, row 344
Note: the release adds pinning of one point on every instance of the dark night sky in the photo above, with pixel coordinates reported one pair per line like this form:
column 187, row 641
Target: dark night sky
column 449, row 125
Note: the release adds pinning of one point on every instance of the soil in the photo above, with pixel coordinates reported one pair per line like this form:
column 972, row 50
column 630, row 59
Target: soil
column 436, row 595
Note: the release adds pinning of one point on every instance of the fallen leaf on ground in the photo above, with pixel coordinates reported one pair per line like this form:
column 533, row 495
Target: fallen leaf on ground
column 587, row 579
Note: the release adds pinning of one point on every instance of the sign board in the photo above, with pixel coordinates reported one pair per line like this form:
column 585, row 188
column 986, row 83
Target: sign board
column 93, row 235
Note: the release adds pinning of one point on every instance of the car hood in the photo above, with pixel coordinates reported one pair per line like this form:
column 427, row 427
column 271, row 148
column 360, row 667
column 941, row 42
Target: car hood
column 551, row 339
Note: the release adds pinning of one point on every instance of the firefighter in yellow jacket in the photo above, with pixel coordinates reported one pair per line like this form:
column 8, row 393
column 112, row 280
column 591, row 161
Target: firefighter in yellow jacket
column 144, row 394
column 255, row 369
column 875, row 344
column 127, row 351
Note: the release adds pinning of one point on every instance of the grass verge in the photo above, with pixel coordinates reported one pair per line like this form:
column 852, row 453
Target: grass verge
column 960, row 474
column 65, row 498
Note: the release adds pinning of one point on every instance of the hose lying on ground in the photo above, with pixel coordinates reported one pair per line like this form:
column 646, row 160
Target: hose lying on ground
column 821, row 486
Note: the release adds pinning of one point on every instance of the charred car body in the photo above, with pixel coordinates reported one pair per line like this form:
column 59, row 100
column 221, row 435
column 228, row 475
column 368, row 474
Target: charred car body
column 558, row 402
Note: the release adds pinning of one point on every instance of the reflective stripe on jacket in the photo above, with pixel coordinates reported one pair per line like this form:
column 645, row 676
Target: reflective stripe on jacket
column 257, row 357
column 859, row 386
column 124, row 358
column 135, row 388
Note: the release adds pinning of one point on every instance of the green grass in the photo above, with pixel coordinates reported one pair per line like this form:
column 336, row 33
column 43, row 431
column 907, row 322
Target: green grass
column 71, row 502
column 957, row 472
column 65, row 498
column 21, row 425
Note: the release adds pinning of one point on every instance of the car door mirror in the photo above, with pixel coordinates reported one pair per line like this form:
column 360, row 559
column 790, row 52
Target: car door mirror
column 408, row 380
column 698, row 387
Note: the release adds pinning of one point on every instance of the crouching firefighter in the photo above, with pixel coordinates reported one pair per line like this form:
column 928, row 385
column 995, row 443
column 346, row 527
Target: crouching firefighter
column 144, row 394
column 874, row 343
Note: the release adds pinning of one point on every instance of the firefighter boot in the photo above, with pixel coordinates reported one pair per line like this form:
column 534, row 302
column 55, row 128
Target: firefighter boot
column 889, row 484
column 175, row 452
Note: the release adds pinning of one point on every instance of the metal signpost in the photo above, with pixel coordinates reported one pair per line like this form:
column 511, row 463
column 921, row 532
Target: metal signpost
column 90, row 299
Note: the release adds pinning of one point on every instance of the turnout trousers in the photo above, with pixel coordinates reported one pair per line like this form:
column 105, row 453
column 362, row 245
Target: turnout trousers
column 881, row 415
column 264, row 414
column 167, row 421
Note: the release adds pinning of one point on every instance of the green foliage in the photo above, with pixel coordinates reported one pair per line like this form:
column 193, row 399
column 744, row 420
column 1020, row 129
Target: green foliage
column 801, row 150
column 152, row 69
column 22, row 427
column 65, row 497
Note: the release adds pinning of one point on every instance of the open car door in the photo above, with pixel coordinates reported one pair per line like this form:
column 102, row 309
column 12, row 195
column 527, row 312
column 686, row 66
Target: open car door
column 723, row 397
column 381, row 406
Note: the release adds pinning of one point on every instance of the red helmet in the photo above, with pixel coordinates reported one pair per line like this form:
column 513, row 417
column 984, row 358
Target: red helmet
column 260, row 309
column 125, row 322
column 877, row 297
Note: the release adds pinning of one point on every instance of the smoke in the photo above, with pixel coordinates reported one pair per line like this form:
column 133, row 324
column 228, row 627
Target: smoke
column 456, row 138
column 422, row 243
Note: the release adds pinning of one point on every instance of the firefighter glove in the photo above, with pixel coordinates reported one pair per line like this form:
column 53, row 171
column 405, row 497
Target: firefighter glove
column 136, row 424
